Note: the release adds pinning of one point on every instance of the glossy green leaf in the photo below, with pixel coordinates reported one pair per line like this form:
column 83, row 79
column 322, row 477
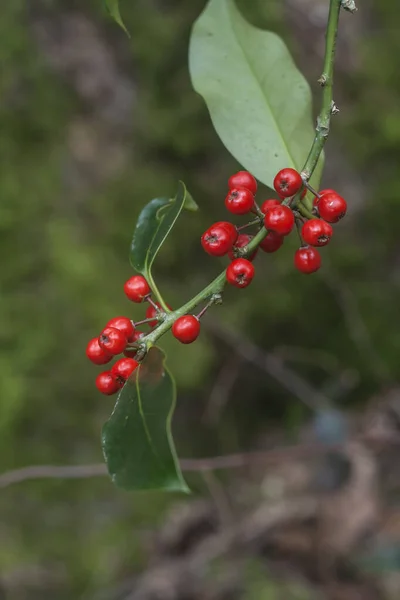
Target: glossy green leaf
column 260, row 104
column 112, row 7
column 137, row 440
column 154, row 225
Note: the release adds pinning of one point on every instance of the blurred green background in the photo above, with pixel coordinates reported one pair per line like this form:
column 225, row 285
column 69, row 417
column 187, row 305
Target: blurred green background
column 92, row 126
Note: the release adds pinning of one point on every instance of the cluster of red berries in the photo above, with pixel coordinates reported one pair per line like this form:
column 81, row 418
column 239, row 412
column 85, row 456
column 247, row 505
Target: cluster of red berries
column 121, row 336
column 279, row 218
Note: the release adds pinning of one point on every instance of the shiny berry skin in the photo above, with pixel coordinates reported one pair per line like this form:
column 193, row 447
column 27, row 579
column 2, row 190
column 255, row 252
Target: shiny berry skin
column 279, row 219
column 241, row 242
column 243, row 179
column 331, row 207
column 106, row 383
column 287, row 183
column 123, row 324
column 123, row 368
column 307, row 260
column 316, row 232
column 217, row 240
column 137, row 288
column 320, row 193
column 240, row 272
column 230, row 227
column 268, row 204
column 186, row 329
column 112, row 340
column 96, row 354
column 239, row 201
column 272, row 242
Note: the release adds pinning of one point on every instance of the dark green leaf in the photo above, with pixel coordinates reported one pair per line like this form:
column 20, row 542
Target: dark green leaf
column 154, row 224
column 259, row 103
column 113, row 8
column 137, row 440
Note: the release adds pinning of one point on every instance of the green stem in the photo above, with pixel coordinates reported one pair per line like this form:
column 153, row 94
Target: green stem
column 326, row 80
column 215, row 288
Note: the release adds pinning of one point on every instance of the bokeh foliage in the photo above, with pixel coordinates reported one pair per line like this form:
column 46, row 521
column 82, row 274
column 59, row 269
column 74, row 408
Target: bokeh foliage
column 64, row 259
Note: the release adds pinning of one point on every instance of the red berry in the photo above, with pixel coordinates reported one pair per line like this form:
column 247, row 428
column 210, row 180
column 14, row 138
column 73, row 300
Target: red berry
column 123, row 324
column 123, row 368
column 307, row 260
column 243, row 179
column 230, row 227
column 136, row 336
column 106, row 383
column 151, row 312
column 316, row 232
column 186, row 329
column 267, row 204
column 321, row 192
column 272, row 242
column 279, row 219
column 331, row 207
column 239, row 201
column 288, row 182
column 112, row 340
column 217, row 240
column 240, row 272
column 242, row 241
column 96, row 354
column 137, row 288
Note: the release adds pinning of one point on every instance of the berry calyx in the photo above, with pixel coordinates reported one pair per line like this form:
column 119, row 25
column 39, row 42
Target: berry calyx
column 106, row 383
column 272, row 242
column 137, row 288
column 331, row 207
column 279, row 219
column 230, row 227
column 240, row 272
column 96, row 354
column 267, row 204
column 316, row 232
column 186, row 329
column 288, row 182
column 241, row 242
column 307, row 260
column 123, row 324
column 239, row 201
column 123, row 368
column 217, row 240
column 243, row 179
column 112, row 340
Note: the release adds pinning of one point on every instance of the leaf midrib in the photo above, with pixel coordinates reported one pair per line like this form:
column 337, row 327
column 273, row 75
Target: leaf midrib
column 249, row 63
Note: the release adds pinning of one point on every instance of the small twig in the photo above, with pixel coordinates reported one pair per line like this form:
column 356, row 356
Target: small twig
column 272, row 365
column 230, row 461
column 221, row 391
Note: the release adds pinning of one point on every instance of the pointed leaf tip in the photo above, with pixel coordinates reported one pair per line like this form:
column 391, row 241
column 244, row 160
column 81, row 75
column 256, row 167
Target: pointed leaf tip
column 112, row 7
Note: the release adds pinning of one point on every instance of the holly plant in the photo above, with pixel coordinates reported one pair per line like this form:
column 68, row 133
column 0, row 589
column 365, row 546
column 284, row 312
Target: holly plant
column 260, row 106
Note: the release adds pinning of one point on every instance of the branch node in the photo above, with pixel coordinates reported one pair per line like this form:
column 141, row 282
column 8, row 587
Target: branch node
column 349, row 5
column 334, row 109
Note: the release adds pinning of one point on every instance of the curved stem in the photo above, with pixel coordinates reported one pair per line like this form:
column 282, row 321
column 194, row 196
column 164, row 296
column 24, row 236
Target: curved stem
column 326, row 81
column 322, row 131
